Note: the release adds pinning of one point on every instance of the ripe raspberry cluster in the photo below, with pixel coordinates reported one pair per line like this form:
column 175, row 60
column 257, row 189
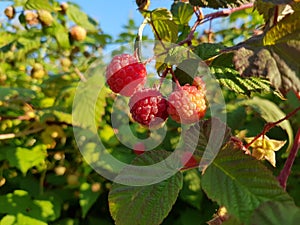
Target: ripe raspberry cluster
column 127, row 76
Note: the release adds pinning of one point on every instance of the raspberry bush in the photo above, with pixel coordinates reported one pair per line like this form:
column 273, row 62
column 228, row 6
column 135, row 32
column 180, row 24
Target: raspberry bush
column 196, row 123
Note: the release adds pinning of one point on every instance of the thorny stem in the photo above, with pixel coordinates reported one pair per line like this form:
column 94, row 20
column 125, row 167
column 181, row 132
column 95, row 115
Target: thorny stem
column 286, row 171
column 211, row 16
column 269, row 126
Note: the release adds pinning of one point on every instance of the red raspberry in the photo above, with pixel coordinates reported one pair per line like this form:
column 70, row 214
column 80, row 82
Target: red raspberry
column 148, row 107
column 187, row 104
column 139, row 148
column 125, row 74
column 188, row 160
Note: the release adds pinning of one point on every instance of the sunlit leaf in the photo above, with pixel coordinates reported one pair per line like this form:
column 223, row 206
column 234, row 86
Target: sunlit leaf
column 24, row 158
column 80, row 18
column 182, row 12
column 163, row 25
column 39, row 4
column 20, row 204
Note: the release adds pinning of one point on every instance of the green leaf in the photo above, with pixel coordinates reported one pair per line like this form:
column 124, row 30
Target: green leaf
column 20, row 219
column 80, row 18
column 210, row 135
column 240, row 183
column 52, row 114
column 276, row 213
column 182, row 12
column 144, row 204
column 87, row 197
column 163, row 25
column 274, row 55
column 232, row 80
column 24, row 158
column 7, row 93
column 208, row 50
column 90, row 99
column 60, row 33
column 270, row 112
column 219, row 4
column 191, row 191
column 39, row 4
column 21, row 205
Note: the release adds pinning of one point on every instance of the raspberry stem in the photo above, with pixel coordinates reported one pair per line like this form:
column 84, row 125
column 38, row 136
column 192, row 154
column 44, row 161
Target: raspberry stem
column 286, row 171
column 269, row 126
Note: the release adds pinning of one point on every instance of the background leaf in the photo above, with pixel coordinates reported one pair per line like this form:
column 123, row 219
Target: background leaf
column 87, row 197
column 24, row 158
column 191, row 191
column 39, row 4
column 80, row 18
column 20, row 204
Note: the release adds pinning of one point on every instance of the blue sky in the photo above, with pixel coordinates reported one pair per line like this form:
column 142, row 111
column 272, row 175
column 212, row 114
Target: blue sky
column 113, row 14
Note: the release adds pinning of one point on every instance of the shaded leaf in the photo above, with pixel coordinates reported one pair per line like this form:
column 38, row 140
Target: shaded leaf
column 274, row 55
column 87, row 197
column 144, row 204
column 240, row 183
column 191, row 191
column 276, row 213
column 208, row 50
